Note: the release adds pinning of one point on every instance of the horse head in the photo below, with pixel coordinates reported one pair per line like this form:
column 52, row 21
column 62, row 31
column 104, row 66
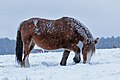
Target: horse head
column 88, row 50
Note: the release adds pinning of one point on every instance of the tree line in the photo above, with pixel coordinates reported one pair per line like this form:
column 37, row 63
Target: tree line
column 7, row 46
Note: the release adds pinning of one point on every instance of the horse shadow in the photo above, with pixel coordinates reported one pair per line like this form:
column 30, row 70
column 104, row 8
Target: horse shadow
column 45, row 64
column 51, row 64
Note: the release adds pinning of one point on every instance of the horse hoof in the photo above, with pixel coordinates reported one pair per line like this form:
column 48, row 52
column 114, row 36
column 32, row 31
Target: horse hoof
column 76, row 60
column 63, row 64
column 25, row 66
column 84, row 62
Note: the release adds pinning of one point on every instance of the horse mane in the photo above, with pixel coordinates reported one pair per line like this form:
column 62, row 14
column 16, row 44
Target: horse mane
column 81, row 29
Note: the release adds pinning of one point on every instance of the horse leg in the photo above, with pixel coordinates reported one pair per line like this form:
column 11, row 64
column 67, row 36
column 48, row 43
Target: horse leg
column 64, row 58
column 27, row 49
column 25, row 62
column 32, row 45
column 77, row 57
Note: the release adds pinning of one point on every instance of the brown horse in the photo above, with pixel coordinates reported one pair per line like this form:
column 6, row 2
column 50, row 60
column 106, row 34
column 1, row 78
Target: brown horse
column 62, row 33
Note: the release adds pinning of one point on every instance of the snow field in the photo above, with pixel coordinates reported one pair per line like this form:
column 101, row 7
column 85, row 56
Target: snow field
column 105, row 65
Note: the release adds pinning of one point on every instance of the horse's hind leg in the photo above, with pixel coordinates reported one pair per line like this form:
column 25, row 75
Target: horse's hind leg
column 77, row 57
column 25, row 62
column 28, row 46
column 32, row 45
column 64, row 58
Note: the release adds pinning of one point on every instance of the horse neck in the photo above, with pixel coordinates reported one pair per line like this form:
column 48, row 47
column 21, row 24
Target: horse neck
column 86, row 34
column 81, row 29
column 87, row 37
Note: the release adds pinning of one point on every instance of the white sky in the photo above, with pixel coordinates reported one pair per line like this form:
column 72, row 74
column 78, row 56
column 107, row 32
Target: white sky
column 102, row 17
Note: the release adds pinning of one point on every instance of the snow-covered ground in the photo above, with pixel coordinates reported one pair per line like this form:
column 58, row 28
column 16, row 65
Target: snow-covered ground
column 105, row 65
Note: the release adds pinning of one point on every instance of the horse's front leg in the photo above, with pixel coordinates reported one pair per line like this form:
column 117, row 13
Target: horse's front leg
column 77, row 57
column 64, row 58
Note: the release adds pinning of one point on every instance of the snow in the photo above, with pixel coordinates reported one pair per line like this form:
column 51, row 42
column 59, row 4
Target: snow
column 35, row 21
column 36, row 29
column 105, row 65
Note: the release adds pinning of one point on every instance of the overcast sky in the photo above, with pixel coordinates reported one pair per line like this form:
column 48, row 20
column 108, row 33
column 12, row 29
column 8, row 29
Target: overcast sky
column 102, row 17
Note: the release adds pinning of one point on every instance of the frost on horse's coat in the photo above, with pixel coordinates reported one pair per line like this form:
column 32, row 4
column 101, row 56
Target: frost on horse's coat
column 82, row 30
column 75, row 24
column 63, row 33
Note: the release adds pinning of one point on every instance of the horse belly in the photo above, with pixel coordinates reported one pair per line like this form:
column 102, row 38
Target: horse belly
column 48, row 44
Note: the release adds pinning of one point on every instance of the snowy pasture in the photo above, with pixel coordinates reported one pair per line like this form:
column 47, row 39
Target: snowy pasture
column 105, row 65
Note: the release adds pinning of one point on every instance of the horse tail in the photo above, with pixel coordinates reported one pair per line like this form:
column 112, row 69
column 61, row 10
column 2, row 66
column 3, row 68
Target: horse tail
column 19, row 47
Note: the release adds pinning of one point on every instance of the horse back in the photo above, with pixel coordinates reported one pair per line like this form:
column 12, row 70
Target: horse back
column 50, row 34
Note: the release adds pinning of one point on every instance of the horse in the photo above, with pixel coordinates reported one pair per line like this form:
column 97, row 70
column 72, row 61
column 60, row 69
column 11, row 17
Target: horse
column 63, row 33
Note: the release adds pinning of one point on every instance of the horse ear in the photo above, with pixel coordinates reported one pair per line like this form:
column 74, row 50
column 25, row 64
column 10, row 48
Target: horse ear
column 96, row 40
